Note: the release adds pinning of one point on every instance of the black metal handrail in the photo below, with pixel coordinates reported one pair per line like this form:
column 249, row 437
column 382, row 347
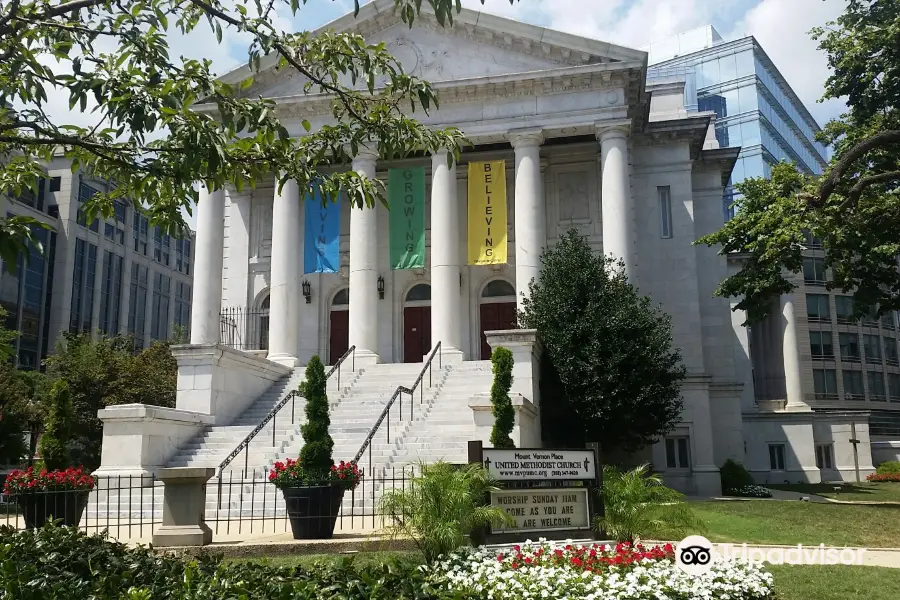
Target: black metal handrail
column 367, row 443
column 289, row 397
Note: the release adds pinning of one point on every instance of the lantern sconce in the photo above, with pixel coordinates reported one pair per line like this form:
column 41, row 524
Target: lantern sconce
column 380, row 287
column 307, row 291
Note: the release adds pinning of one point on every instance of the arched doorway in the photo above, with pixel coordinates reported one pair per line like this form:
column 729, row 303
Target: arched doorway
column 498, row 311
column 339, row 326
column 417, row 323
column 262, row 335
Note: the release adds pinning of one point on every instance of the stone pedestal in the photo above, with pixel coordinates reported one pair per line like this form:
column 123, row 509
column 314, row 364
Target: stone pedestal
column 526, row 350
column 220, row 381
column 526, row 431
column 184, row 500
column 138, row 440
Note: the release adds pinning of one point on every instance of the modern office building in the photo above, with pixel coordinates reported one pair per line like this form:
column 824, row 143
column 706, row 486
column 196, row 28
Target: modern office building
column 755, row 107
column 116, row 275
column 839, row 363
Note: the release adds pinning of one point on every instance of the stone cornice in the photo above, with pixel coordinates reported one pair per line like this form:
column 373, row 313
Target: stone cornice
column 608, row 77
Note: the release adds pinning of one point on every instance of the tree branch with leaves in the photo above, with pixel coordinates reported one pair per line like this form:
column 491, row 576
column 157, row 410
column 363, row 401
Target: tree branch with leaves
column 161, row 123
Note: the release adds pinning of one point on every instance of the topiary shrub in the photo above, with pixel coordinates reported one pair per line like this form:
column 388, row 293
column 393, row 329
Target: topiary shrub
column 501, row 405
column 888, row 467
column 53, row 447
column 734, row 476
column 316, row 455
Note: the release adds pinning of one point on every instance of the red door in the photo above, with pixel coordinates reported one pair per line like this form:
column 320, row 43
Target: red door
column 416, row 333
column 340, row 335
column 496, row 317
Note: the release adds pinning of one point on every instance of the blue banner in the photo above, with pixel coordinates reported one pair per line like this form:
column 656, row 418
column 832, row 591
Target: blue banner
column 322, row 235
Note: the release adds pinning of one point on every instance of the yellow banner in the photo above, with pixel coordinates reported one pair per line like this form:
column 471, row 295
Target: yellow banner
column 487, row 213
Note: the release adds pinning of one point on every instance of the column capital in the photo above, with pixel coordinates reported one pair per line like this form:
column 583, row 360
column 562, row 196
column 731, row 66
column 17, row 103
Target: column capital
column 525, row 138
column 363, row 152
column 607, row 130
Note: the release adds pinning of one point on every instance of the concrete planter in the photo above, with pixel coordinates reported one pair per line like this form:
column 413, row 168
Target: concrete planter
column 313, row 510
column 40, row 507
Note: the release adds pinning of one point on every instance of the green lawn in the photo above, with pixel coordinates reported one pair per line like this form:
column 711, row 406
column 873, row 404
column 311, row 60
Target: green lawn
column 838, row 582
column 876, row 492
column 795, row 522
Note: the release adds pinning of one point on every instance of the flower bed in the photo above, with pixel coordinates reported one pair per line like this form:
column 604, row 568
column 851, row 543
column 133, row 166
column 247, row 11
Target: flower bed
column 749, row 491
column 552, row 571
column 71, row 479
column 881, row 477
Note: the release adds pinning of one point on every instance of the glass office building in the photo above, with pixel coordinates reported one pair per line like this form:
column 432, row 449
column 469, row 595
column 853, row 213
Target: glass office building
column 755, row 107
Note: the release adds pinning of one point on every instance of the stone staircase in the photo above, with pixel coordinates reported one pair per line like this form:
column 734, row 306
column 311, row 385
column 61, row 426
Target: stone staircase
column 436, row 425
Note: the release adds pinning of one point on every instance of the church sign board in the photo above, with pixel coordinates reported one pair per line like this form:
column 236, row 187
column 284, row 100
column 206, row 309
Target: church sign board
column 544, row 509
column 540, row 465
column 547, row 492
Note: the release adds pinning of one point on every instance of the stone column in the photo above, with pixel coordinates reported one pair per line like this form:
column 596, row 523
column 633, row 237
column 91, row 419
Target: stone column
column 615, row 197
column 790, row 352
column 210, row 244
column 530, row 215
column 364, row 270
column 284, row 291
column 445, row 268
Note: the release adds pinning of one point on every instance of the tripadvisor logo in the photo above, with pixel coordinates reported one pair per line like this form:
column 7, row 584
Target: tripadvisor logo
column 694, row 555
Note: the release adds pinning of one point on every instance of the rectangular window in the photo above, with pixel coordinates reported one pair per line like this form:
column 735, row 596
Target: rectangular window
column 665, row 210
column 853, row 385
column 890, row 352
column 159, row 328
column 776, row 457
column 887, row 321
column 85, row 193
column 876, row 386
column 894, row 385
column 849, row 346
column 182, row 304
column 137, row 311
column 111, row 293
column 820, row 344
column 140, row 228
column 677, row 453
column 844, row 308
column 825, row 456
column 825, row 384
column 817, row 309
column 85, row 269
column 872, row 345
column 814, row 271
column 812, row 241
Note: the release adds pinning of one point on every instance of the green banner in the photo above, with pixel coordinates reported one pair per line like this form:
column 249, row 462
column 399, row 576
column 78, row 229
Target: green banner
column 406, row 198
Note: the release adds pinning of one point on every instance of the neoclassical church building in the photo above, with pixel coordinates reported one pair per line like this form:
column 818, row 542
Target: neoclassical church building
column 585, row 141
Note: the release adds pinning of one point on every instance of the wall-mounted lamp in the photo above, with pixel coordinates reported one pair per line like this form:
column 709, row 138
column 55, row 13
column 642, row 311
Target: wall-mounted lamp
column 307, row 291
column 380, row 287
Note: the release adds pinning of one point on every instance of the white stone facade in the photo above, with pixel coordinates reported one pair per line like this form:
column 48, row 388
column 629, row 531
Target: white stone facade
column 588, row 146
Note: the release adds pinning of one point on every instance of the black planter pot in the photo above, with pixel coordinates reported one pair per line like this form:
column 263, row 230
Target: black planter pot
column 40, row 507
column 313, row 511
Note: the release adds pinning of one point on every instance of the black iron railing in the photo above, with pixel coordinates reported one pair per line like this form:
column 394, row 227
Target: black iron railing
column 291, row 397
column 244, row 328
column 398, row 393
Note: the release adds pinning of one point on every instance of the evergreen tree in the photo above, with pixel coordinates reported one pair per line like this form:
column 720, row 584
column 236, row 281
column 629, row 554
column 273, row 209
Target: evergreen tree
column 612, row 351
column 315, row 456
column 501, row 405
column 54, row 445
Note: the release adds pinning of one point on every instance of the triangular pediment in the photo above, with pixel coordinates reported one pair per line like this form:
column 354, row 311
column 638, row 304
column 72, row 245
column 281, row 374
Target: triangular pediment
column 475, row 47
